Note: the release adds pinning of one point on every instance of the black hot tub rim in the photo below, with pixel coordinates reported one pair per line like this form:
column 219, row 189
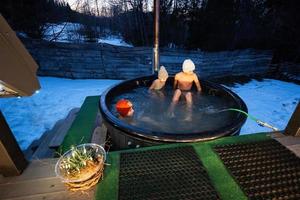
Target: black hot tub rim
column 145, row 134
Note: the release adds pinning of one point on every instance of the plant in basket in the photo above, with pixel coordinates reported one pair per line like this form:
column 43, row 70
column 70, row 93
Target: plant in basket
column 82, row 166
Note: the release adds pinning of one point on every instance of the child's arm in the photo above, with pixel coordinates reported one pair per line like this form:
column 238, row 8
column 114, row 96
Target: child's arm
column 153, row 85
column 198, row 85
column 175, row 81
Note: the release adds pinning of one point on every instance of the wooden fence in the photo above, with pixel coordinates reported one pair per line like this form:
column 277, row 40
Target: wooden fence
column 112, row 62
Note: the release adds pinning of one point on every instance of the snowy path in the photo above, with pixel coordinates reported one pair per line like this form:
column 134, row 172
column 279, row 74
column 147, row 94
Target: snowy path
column 270, row 100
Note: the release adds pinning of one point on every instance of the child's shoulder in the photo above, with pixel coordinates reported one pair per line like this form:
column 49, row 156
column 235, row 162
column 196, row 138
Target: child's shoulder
column 179, row 74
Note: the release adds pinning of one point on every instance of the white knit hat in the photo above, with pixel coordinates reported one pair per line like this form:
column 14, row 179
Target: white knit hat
column 188, row 66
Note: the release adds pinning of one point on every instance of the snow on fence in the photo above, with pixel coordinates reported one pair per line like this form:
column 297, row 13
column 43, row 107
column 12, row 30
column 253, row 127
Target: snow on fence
column 116, row 62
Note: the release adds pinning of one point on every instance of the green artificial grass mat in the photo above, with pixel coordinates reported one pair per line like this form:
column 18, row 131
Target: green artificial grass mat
column 220, row 178
column 81, row 129
column 223, row 182
column 108, row 187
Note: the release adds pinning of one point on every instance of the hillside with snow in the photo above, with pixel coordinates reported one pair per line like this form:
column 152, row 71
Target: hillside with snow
column 74, row 33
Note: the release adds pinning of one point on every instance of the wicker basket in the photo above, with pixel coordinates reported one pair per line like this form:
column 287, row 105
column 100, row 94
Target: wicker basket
column 86, row 176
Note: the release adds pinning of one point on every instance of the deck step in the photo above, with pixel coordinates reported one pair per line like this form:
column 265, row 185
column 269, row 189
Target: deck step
column 45, row 146
column 99, row 135
column 60, row 134
column 83, row 126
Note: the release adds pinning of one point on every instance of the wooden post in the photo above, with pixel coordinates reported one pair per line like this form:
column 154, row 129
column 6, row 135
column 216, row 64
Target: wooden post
column 155, row 60
column 293, row 127
column 12, row 160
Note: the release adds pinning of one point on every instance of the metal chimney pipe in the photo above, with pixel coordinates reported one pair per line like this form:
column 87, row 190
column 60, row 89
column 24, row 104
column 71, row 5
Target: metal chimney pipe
column 155, row 59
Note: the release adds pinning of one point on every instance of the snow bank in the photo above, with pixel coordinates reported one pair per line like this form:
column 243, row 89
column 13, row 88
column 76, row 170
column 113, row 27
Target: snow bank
column 114, row 40
column 269, row 100
column 30, row 117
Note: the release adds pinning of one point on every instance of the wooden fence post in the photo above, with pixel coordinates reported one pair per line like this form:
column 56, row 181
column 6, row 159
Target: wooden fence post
column 12, row 160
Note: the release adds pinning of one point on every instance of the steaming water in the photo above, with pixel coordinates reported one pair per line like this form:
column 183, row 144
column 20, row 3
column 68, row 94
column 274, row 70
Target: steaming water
column 152, row 111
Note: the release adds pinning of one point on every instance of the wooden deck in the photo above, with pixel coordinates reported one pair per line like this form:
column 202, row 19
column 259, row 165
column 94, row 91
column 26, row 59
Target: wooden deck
column 292, row 143
column 38, row 182
column 45, row 146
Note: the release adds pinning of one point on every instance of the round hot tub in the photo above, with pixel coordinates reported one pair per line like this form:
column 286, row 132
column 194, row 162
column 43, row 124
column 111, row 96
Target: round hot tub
column 158, row 120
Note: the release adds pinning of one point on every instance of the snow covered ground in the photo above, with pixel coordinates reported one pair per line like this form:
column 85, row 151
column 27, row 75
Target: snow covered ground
column 271, row 101
column 114, row 40
column 30, row 117
column 63, row 32
column 70, row 32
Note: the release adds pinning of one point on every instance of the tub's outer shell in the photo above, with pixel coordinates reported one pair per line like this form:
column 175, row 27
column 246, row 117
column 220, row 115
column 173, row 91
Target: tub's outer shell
column 126, row 136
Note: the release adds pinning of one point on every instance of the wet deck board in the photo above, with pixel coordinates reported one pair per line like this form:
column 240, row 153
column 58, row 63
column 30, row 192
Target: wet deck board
column 38, row 181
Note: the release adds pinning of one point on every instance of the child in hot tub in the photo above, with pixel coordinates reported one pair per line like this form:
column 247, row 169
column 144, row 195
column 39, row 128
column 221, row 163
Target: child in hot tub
column 183, row 83
column 124, row 108
column 184, row 80
column 159, row 83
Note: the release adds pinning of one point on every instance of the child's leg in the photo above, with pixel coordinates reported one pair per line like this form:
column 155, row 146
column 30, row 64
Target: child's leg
column 189, row 102
column 188, row 98
column 176, row 96
column 175, row 100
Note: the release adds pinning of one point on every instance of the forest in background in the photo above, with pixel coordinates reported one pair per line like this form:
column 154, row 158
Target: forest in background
column 211, row 25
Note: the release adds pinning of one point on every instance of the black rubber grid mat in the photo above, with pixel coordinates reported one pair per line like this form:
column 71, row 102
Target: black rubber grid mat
column 173, row 173
column 264, row 170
